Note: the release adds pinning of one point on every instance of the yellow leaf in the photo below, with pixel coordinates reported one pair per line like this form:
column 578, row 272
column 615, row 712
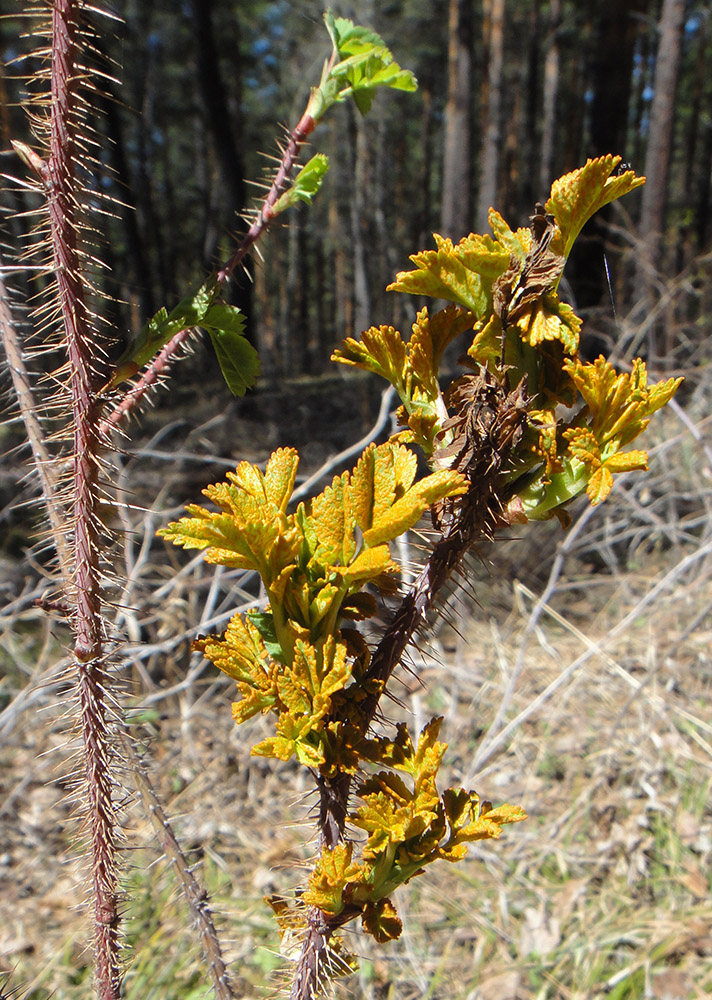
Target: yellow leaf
column 280, row 474
column 381, row 350
column 577, row 196
column 486, row 345
column 406, row 512
column 333, row 524
column 599, row 486
column 430, row 336
column 627, row 461
column 370, row 563
column 584, row 446
column 506, row 814
column 332, row 873
column 462, row 274
column 382, row 475
column 517, row 243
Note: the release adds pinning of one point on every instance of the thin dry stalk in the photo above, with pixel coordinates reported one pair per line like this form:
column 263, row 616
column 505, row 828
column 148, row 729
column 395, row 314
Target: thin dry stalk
column 196, row 896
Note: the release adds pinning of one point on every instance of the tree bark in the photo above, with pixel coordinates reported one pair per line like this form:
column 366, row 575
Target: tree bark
column 612, row 75
column 657, row 159
column 490, row 152
column 362, row 301
column 226, row 133
column 215, row 106
column 551, row 88
column 456, row 201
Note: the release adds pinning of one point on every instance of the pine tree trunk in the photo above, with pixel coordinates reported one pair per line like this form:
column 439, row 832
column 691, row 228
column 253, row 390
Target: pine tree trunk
column 362, row 302
column 551, row 88
column 657, row 159
column 456, row 202
column 657, row 164
column 490, row 152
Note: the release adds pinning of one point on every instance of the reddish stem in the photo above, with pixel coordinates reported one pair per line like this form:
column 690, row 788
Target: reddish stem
column 264, row 217
column 279, row 185
column 62, row 196
column 158, row 367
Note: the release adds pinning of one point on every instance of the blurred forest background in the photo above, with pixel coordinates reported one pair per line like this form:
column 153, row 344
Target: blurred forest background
column 577, row 681
column 511, row 95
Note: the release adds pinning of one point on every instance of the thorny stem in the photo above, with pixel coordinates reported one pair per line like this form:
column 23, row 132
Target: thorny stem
column 264, row 217
column 62, row 185
column 150, row 377
column 493, row 428
column 279, row 185
column 334, row 792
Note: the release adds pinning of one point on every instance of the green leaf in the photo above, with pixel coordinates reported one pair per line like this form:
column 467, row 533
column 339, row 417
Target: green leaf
column 264, row 623
column 305, row 185
column 238, row 360
column 360, row 63
column 190, row 311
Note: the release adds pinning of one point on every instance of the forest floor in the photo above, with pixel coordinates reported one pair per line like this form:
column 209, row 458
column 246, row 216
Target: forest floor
column 577, row 683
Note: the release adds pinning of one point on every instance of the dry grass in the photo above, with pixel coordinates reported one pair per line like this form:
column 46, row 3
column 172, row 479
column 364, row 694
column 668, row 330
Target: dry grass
column 578, row 687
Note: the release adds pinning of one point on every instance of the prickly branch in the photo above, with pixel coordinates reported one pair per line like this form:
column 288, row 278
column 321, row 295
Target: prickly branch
column 62, row 121
column 359, row 63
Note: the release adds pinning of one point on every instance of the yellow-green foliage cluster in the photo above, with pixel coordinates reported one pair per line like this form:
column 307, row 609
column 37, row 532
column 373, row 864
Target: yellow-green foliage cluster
column 301, row 658
column 292, row 659
column 541, row 344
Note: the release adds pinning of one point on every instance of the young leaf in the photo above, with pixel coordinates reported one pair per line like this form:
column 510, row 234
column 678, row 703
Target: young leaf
column 620, row 404
column 305, row 185
column 463, row 274
column 360, row 63
column 577, row 196
column 238, row 360
column 333, row 872
column 550, row 319
column 406, row 512
column 190, row 311
column 242, row 655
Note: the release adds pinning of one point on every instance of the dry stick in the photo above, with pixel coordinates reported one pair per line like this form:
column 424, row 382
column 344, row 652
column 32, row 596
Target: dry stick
column 387, row 397
column 562, row 550
column 61, row 185
column 43, row 464
column 596, row 647
column 195, row 894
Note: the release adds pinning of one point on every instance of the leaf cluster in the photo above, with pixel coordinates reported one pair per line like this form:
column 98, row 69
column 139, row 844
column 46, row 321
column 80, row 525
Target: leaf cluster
column 294, row 658
column 408, row 824
column 505, row 288
column 533, row 426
